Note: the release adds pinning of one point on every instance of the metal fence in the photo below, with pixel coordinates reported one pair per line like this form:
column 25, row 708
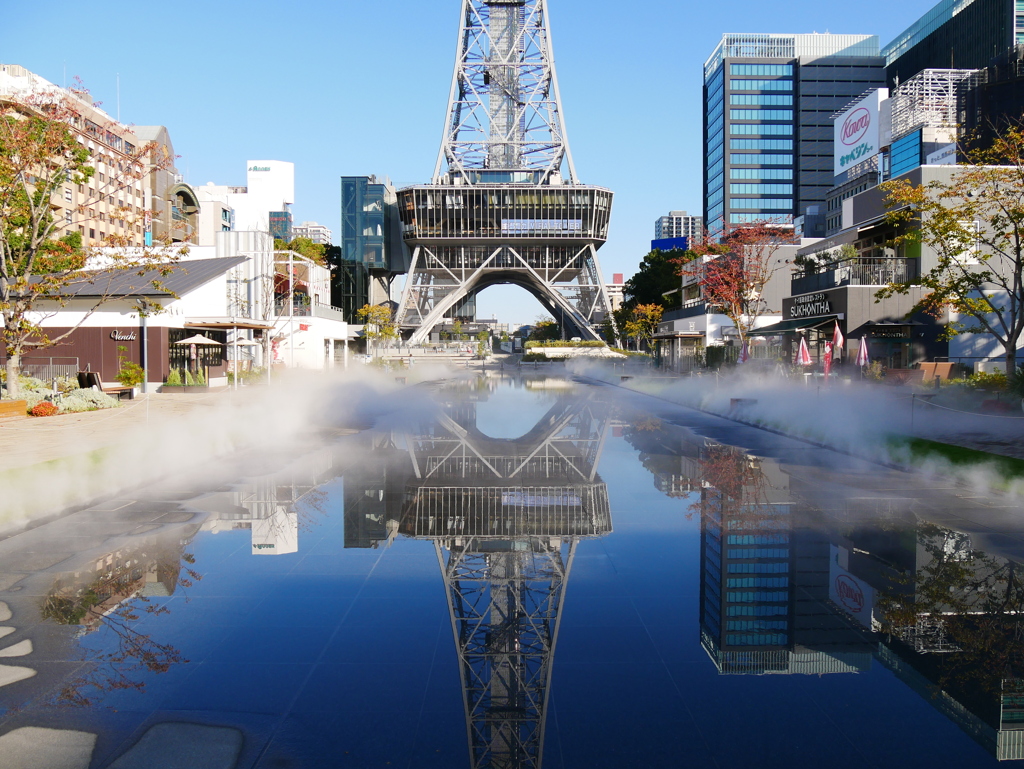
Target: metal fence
column 48, row 369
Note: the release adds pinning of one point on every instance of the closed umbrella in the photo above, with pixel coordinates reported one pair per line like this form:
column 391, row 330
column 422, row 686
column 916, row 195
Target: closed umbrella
column 744, row 352
column 837, row 344
column 862, row 352
column 803, row 355
column 828, row 359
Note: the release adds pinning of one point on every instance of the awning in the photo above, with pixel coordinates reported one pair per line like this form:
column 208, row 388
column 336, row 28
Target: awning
column 255, row 325
column 794, row 324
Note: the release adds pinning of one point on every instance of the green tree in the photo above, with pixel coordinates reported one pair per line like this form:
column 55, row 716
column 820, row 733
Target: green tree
column 40, row 155
column 974, row 223
column 658, row 274
column 457, row 329
column 545, row 330
column 379, row 325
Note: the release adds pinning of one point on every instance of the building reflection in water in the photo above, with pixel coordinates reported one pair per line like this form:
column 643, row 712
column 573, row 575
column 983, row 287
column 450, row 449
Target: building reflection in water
column 505, row 517
column 275, row 507
column 804, row 570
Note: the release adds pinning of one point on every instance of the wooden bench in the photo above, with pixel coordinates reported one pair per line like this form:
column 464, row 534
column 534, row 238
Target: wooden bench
column 940, row 371
column 90, row 379
column 10, row 409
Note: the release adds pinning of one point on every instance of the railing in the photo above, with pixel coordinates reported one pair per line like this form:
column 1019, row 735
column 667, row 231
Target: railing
column 869, row 271
column 301, row 309
column 328, row 312
column 47, row 369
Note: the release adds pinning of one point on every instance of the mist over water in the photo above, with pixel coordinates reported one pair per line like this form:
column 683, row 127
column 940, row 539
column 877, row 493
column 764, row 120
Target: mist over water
column 513, row 570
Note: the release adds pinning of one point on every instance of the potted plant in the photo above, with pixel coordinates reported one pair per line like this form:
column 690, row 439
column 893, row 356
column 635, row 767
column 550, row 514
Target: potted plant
column 129, row 373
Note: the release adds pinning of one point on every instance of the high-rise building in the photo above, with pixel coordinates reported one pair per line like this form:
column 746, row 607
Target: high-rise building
column 768, row 102
column 678, row 224
column 314, row 231
column 955, row 34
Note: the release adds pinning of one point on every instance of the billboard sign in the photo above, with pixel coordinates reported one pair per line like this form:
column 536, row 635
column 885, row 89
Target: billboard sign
column 944, row 156
column 851, row 594
column 857, row 131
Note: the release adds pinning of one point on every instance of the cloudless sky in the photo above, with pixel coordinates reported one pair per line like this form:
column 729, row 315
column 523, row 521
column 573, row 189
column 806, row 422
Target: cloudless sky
column 347, row 88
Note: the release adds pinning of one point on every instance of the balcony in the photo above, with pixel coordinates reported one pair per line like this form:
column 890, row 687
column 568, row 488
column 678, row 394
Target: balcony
column 303, row 308
column 869, row 271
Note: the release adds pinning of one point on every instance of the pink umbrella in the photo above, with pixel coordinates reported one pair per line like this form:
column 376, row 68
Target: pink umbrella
column 862, row 352
column 828, row 359
column 837, row 343
column 803, row 355
column 744, row 352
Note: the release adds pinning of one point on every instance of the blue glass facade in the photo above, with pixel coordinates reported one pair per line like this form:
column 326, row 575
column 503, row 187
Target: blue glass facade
column 905, row 154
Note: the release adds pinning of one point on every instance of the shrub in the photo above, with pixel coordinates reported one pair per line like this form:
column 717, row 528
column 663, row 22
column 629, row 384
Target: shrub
column 984, row 380
column 535, row 357
column 131, row 374
column 174, row 378
column 189, row 379
column 86, row 400
column 43, row 409
column 560, row 343
column 200, row 378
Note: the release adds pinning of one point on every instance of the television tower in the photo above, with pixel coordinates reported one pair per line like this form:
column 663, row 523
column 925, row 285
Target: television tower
column 504, row 204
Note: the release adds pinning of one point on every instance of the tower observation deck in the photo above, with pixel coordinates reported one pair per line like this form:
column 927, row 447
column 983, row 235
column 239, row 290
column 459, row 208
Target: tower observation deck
column 504, row 204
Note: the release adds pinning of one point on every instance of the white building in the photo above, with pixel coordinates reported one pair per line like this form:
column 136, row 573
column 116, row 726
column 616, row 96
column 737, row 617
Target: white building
column 316, row 232
column 679, row 224
column 270, row 186
column 274, row 307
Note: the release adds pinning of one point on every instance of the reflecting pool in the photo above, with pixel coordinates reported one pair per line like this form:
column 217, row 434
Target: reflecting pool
column 533, row 572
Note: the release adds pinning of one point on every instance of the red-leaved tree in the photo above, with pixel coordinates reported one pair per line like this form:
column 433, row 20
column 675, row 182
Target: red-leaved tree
column 734, row 270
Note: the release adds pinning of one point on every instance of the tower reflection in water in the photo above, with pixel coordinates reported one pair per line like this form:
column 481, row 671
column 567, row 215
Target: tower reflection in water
column 505, row 517
column 807, row 570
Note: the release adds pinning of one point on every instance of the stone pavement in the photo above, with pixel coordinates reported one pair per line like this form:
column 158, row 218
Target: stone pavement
column 33, row 440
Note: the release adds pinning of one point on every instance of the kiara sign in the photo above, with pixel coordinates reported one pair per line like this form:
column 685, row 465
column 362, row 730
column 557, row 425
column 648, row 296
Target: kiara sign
column 857, row 131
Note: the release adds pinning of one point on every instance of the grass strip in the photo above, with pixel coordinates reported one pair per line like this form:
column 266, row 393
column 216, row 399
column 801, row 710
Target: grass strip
column 921, row 449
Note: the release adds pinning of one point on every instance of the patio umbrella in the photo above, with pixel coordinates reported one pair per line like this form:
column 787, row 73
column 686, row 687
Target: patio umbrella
column 744, row 352
column 200, row 339
column 862, row 352
column 803, row 355
column 837, row 343
column 828, row 359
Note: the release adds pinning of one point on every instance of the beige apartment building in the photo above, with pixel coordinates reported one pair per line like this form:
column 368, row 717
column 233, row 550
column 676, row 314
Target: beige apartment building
column 116, row 206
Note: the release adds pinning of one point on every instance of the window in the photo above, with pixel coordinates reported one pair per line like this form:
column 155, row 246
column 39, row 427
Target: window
column 92, row 233
column 761, row 173
column 779, row 204
column 761, row 189
column 757, row 539
column 757, row 581
column 747, row 639
column 761, row 85
column 760, row 596
column 761, row 144
column 756, row 624
column 67, row 193
column 758, row 552
column 760, row 114
column 756, row 611
column 905, row 154
column 764, row 160
column 762, row 130
column 772, row 218
column 762, row 99
column 758, row 568
column 67, row 215
column 762, row 70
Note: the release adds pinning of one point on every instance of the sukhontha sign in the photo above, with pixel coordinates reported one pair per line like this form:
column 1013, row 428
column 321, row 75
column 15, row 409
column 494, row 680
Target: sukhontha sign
column 857, row 131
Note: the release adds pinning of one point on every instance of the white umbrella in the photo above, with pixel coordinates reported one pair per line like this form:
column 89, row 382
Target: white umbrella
column 200, row 339
column 862, row 352
column 803, row 355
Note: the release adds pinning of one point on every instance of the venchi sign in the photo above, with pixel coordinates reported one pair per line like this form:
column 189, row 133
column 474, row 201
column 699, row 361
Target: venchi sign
column 857, row 132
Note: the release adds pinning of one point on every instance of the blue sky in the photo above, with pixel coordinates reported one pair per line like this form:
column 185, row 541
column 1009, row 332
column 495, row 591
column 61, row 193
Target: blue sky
column 350, row 87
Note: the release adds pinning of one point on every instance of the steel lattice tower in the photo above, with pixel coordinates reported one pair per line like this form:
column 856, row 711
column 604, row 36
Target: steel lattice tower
column 505, row 518
column 508, row 208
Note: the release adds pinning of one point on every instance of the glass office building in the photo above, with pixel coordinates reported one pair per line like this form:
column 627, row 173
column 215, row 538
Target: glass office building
column 955, row 34
column 768, row 104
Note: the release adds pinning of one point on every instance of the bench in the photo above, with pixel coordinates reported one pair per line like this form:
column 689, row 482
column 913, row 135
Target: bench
column 12, row 409
column 90, row 379
column 940, row 371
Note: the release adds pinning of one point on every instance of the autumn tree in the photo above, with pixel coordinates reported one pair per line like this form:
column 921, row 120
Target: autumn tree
column 642, row 323
column 315, row 252
column 379, row 324
column 974, row 224
column 42, row 259
column 733, row 273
